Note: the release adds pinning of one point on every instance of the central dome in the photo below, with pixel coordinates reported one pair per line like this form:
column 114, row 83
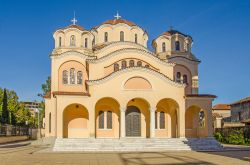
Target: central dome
column 117, row 21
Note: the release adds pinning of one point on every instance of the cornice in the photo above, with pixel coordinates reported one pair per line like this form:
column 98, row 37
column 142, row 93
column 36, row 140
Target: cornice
column 72, row 52
column 115, row 43
column 130, row 69
column 141, row 51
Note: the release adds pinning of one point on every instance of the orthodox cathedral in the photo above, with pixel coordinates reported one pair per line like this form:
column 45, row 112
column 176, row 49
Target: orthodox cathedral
column 106, row 83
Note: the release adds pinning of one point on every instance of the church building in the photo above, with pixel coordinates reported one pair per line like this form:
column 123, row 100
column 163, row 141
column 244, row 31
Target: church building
column 107, row 83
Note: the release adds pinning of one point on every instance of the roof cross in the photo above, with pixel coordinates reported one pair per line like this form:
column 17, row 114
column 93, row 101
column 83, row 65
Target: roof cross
column 117, row 16
column 74, row 21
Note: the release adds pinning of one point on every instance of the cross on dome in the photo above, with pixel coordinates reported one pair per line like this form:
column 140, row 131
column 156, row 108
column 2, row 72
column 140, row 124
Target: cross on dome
column 117, row 16
column 74, row 21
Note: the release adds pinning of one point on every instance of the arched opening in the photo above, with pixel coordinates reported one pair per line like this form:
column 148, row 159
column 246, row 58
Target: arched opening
column 166, row 117
column 75, row 121
column 195, row 122
column 137, row 118
column 107, row 114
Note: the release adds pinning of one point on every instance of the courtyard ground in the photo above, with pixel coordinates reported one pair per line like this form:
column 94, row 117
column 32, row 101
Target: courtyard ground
column 23, row 153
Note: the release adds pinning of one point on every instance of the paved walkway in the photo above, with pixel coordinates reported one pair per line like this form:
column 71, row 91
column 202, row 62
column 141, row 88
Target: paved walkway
column 23, row 154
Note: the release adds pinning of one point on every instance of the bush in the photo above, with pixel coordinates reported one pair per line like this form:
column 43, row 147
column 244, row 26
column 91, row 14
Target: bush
column 236, row 137
column 218, row 136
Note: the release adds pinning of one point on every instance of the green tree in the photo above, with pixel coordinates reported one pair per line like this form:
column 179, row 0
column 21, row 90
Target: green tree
column 5, row 112
column 46, row 88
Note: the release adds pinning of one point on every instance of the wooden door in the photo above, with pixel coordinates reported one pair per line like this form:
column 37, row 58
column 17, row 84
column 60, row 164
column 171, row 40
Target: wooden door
column 133, row 121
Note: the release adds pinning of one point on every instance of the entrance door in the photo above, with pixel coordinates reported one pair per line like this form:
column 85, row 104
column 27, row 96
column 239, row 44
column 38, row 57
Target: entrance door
column 133, row 121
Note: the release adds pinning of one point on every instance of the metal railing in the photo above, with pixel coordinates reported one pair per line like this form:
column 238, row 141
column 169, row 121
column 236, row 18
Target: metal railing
column 10, row 130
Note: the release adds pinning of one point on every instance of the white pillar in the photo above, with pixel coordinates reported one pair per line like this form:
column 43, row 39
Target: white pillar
column 152, row 122
column 122, row 122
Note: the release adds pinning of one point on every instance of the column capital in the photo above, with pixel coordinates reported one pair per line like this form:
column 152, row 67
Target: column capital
column 152, row 109
column 123, row 109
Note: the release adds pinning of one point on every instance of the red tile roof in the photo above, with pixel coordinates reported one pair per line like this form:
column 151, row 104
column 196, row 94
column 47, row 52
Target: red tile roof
column 221, row 107
column 74, row 26
column 172, row 32
column 247, row 99
column 117, row 21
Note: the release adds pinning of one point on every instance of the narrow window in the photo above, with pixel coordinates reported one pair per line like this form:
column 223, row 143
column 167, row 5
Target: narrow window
column 60, row 41
column 86, row 43
column 93, row 42
column 185, row 79
column 177, row 45
column 202, row 119
column 136, row 38
column 139, row 63
column 163, row 47
column 116, row 67
column 50, row 122
column 72, row 40
column 124, row 64
column 72, row 76
column 188, row 47
column 65, row 77
column 109, row 120
column 121, row 36
column 101, row 120
column 156, row 121
column 106, row 37
column 178, row 77
column 131, row 63
column 79, row 77
column 162, row 120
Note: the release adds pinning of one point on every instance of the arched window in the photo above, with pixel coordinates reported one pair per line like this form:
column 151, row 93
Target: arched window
column 65, row 77
column 131, row 63
column 202, row 119
column 156, row 120
column 136, row 38
column 72, row 40
column 109, row 120
column 106, row 37
column 72, row 76
column 101, row 120
column 116, row 67
column 163, row 47
column 162, row 120
column 146, row 66
column 177, row 45
column 178, row 77
column 185, row 81
column 50, row 122
column 79, row 77
column 139, row 63
column 124, row 64
column 86, row 43
column 60, row 41
column 121, row 36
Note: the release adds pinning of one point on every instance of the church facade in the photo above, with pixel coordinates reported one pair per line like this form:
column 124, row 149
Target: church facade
column 106, row 83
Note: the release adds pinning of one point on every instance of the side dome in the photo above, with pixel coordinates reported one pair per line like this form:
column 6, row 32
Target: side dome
column 172, row 42
column 73, row 36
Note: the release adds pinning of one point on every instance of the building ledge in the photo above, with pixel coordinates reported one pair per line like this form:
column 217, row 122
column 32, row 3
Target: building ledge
column 70, row 93
column 200, row 96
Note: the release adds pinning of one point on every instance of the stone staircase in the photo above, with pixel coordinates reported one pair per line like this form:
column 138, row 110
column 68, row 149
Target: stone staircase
column 135, row 144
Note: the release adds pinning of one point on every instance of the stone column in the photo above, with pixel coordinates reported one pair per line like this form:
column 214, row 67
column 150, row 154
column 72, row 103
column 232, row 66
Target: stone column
column 181, row 121
column 209, row 123
column 152, row 122
column 122, row 122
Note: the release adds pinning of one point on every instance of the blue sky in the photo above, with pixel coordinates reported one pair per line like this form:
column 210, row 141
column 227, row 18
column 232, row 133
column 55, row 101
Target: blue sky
column 219, row 29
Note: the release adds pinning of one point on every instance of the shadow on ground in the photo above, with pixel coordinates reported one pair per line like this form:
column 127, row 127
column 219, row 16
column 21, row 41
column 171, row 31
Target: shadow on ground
column 159, row 159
